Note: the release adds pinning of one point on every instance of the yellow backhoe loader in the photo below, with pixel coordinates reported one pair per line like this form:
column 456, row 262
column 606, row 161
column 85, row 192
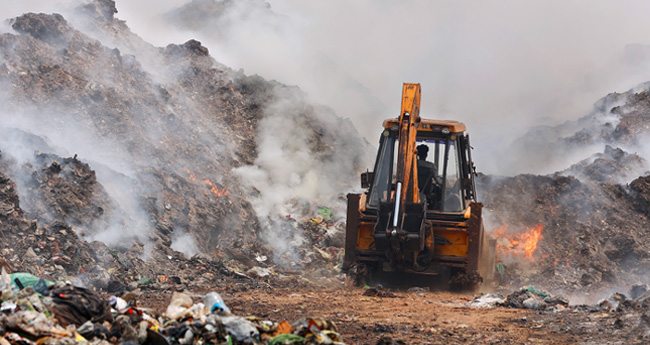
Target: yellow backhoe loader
column 419, row 212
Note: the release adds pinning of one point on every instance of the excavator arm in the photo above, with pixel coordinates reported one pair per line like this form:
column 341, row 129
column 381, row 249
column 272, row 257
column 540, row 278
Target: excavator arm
column 406, row 172
column 401, row 229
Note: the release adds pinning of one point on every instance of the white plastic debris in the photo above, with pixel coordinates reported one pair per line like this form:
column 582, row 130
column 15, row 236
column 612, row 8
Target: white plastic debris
column 259, row 271
column 240, row 328
column 489, row 300
column 533, row 303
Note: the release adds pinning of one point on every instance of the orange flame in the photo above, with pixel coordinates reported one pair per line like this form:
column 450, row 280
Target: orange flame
column 215, row 189
column 560, row 259
column 519, row 244
column 192, row 177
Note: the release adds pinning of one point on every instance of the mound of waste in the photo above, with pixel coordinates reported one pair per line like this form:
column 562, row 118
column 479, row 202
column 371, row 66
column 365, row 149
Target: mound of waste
column 584, row 228
column 130, row 152
column 618, row 120
column 582, row 236
column 39, row 311
column 58, row 251
column 525, row 298
column 140, row 166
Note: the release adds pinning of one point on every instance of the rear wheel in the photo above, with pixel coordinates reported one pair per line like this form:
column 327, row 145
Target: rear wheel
column 462, row 281
column 364, row 274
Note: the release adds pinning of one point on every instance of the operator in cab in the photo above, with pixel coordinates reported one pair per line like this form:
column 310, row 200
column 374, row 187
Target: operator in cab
column 427, row 171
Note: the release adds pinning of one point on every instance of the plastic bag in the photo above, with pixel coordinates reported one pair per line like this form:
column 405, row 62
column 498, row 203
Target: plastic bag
column 181, row 305
column 5, row 285
column 240, row 328
column 214, row 302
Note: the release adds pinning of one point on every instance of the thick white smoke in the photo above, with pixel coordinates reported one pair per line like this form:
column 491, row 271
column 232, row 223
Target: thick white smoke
column 65, row 138
column 499, row 66
column 10, row 9
column 299, row 165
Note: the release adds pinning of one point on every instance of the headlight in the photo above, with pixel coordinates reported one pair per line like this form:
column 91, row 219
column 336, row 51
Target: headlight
column 445, row 130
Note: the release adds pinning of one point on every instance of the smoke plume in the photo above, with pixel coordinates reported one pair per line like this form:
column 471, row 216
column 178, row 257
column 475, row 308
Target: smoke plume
column 499, row 66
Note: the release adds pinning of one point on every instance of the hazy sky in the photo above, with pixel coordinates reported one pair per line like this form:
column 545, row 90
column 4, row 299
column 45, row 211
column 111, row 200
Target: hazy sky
column 499, row 66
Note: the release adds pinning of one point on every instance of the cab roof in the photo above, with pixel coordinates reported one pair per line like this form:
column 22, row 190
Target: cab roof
column 431, row 125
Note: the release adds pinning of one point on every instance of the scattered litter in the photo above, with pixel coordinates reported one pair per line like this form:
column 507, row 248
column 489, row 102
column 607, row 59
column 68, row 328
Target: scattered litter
column 525, row 298
column 68, row 314
column 214, row 302
column 325, row 212
column 486, row 301
column 259, row 272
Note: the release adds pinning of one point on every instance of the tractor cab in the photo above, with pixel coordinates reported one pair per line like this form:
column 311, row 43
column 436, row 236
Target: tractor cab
column 444, row 166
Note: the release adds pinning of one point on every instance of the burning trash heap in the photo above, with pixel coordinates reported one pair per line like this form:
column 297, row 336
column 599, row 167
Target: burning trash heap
column 581, row 230
column 584, row 229
column 568, row 235
column 38, row 311
column 38, row 308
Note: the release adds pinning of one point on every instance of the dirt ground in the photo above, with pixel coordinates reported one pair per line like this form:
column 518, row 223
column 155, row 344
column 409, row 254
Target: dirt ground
column 413, row 317
column 441, row 317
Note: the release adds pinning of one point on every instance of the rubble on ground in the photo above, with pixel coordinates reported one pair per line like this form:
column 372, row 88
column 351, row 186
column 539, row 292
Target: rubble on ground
column 531, row 298
column 34, row 313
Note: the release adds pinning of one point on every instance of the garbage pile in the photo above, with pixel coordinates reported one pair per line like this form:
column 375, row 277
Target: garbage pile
column 62, row 252
column 593, row 211
column 616, row 120
column 58, row 251
column 213, row 322
column 527, row 297
column 57, row 188
column 177, row 124
column 637, row 300
column 323, row 239
column 593, row 234
column 37, row 311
